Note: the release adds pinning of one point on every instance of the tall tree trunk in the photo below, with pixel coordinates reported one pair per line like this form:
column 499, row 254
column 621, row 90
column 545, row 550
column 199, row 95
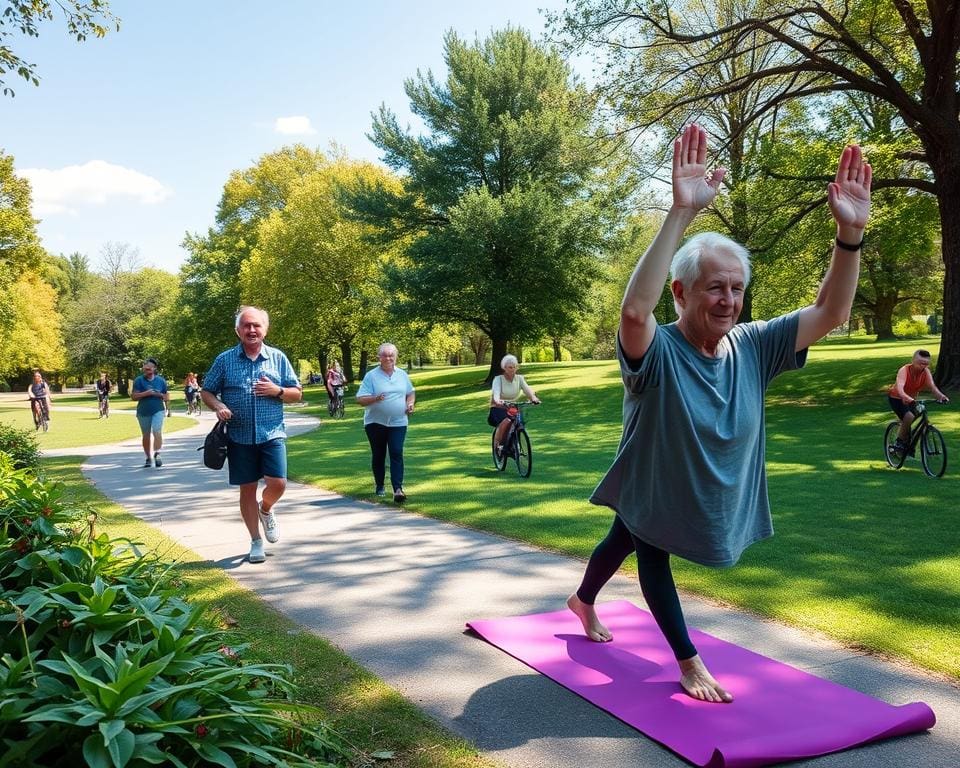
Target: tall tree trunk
column 557, row 357
column 364, row 359
column 883, row 315
column 499, row 350
column 947, row 374
column 123, row 382
column 346, row 362
column 322, row 357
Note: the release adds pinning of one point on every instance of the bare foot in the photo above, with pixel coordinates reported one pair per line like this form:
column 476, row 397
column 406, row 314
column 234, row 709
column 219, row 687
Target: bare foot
column 588, row 617
column 700, row 684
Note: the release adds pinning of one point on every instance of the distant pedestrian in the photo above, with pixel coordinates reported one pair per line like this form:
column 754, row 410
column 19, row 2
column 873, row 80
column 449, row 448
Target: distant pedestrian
column 388, row 399
column 247, row 386
column 150, row 392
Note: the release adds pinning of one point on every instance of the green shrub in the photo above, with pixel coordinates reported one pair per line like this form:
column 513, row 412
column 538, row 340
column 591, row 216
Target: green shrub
column 99, row 657
column 20, row 445
column 544, row 355
column 4, row 385
column 910, row 329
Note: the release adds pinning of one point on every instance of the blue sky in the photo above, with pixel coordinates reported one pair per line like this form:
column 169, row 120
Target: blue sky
column 129, row 139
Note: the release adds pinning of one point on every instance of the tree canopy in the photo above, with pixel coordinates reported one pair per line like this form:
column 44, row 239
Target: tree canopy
column 508, row 196
column 901, row 52
column 24, row 17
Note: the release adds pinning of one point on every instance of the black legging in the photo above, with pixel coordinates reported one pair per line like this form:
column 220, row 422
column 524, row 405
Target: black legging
column 656, row 583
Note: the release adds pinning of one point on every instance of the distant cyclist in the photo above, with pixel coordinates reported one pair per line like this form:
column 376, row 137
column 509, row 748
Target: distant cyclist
column 912, row 378
column 335, row 378
column 506, row 388
column 104, row 388
column 191, row 391
column 40, row 393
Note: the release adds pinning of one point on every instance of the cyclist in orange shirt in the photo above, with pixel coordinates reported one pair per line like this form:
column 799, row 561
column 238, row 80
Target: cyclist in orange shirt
column 911, row 379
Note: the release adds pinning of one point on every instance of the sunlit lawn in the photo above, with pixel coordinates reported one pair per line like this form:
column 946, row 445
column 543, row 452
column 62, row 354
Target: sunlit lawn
column 71, row 429
column 862, row 552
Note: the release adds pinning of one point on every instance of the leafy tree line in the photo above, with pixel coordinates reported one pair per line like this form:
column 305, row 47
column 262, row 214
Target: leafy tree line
column 513, row 220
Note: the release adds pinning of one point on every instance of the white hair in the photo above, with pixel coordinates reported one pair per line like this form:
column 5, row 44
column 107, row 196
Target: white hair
column 263, row 314
column 384, row 346
column 688, row 260
column 508, row 360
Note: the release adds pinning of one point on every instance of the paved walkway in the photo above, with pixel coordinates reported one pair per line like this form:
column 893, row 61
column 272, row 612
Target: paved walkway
column 393, row 590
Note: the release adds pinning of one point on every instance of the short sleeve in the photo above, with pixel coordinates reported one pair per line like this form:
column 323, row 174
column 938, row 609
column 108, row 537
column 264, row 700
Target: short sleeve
column 776, row 341
column 213, row 381
column 366, row 386
column 640, row 374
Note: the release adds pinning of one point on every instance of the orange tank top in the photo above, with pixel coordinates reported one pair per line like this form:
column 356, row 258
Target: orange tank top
column 913, row 384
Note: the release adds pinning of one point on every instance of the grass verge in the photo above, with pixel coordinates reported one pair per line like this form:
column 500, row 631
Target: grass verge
column 363, row 710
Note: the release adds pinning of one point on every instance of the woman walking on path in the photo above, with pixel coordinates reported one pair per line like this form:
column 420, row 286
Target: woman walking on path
column 388, row 399
column 689, row 476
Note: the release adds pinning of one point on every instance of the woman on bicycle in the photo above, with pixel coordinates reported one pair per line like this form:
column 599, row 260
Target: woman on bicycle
column 335, row 378
column 911, row 379
column 104, row 387
column 506, row 389
column 191, row 391
column 40, row 393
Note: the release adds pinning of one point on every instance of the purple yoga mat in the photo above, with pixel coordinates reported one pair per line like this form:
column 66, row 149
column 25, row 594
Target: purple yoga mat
column 780, row 713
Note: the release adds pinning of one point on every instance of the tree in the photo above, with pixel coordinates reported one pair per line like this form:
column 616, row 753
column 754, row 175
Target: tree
column 119, row 320
column 84, row 18
column 902, row 52
column 35, row 339
column 210, row 279
column 320, row 270
column 509, row 197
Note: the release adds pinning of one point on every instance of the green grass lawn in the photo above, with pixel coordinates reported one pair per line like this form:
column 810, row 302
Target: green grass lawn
column 71, row 429
column 368, row 714
column 864, row 553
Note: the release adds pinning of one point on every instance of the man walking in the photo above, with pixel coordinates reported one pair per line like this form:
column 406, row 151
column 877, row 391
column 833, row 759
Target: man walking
column 247, row 386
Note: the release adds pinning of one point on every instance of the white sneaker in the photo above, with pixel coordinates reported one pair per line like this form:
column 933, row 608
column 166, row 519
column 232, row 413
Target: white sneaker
column 257, row 555
column 271, row 527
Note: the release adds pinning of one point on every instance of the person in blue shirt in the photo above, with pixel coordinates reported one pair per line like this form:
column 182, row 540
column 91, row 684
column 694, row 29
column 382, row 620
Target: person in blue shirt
column 150, row 392
column 388, row 398
column 689, row 476
column 247, row 387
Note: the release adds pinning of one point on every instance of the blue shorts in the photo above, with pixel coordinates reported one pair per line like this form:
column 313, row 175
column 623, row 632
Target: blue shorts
column 152, row 423
column 248, row 463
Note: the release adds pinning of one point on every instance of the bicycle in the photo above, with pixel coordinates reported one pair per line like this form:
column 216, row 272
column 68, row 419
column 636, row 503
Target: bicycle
column 516, row 445
column 933, row 449
column 335, row 404
column 41, row 419
column 194, row 405
column 103, row 405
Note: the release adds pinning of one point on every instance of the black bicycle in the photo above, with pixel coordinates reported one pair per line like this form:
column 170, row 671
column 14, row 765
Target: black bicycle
column 923, row 435
column 335, row 405
column 516, row 445
column 103, row 403
column 194, row 403
column 41, row 419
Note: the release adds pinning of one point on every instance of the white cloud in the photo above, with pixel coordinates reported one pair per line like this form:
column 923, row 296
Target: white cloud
column 294, row 126
column 94, row 183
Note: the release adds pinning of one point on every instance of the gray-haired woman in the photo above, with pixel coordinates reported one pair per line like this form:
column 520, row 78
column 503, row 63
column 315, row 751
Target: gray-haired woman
column 506, row 389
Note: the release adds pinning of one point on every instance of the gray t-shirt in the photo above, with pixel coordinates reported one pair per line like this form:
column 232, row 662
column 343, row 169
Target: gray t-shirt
column 689, row 475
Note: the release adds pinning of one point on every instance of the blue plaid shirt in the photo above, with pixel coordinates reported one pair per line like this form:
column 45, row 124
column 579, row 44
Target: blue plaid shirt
column 231, row 377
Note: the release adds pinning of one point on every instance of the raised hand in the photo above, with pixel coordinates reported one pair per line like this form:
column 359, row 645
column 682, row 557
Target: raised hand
column 849, row 194
column 694, row 187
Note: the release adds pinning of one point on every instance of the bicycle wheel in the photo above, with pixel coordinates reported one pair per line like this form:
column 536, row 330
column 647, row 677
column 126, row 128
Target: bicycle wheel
column 499, row 460
column 106, row 409
column 933, row 452
column 45, row 422
column 339, row 408
column 36, row 418
column 524, row 454
column 894, row 459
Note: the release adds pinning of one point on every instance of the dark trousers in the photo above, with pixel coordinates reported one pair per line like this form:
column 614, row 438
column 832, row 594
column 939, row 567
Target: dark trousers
column 656, row 583
column 381, row 440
